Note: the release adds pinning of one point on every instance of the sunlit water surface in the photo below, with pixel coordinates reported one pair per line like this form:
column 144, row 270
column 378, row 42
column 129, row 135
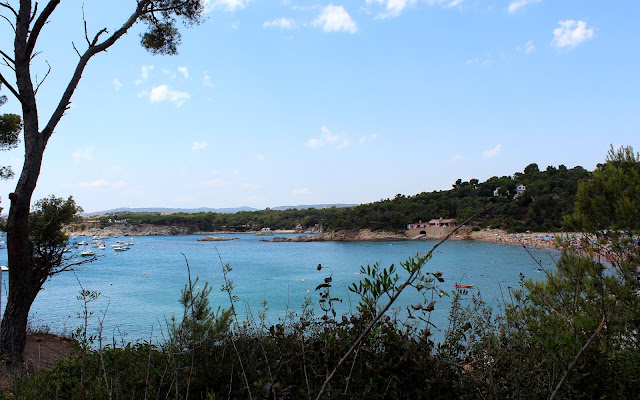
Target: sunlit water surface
column 141, row 286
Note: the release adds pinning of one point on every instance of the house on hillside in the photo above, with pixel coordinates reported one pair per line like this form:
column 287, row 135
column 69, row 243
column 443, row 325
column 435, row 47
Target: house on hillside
column 418, row 225
column 520, row 188
column 432, row 227
column 442, row 223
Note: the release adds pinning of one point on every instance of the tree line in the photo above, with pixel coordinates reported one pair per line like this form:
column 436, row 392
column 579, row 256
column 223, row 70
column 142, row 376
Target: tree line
column 549, row 196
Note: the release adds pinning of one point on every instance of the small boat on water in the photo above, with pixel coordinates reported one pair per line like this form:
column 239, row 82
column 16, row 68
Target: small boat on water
column 87, row 253
column 4, row 268
column 458, row 286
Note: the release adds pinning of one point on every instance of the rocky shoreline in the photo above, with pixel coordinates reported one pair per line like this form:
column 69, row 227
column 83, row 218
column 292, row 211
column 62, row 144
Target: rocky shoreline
column 149, row 230
column 545, row 240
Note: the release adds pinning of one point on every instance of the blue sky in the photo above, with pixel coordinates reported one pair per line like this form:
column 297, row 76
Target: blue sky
column 275, row 103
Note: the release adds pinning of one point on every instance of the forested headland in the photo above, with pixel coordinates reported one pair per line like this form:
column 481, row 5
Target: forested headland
column 549, row 196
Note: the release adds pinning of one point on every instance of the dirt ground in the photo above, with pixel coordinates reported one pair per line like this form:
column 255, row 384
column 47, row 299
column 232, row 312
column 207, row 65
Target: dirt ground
column 40, row 351
column 43, row 349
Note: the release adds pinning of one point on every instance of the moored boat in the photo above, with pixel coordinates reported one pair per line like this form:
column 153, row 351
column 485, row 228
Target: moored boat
column 87, row 253
column 458, row 286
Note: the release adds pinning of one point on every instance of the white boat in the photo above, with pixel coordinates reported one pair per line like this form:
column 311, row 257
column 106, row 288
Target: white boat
column 3, row 245
column 87, row 253
column 264, row 232
column 4, row 268
column 121, row 248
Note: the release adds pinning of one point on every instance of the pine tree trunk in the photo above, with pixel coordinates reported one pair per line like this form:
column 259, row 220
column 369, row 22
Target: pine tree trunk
column 24, row 279
column 24, row 283
column 14, row 321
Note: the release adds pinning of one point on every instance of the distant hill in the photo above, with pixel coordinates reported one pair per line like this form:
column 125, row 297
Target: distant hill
column 230, row 210
column 174, row 210
column 316, row 206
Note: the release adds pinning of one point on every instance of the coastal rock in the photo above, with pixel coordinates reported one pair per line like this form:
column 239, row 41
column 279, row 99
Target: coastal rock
column 133, row 230
column 302, row 238
column 364, row 235
column 215, row 239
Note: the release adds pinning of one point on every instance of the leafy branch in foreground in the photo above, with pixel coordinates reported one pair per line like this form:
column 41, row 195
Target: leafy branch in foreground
column 386, row 283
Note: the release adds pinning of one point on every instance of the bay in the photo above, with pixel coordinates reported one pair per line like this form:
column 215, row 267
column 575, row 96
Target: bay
column 140, row 288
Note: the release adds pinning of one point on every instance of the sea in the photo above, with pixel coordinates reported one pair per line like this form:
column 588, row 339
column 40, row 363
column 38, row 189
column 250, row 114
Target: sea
column 139, row 289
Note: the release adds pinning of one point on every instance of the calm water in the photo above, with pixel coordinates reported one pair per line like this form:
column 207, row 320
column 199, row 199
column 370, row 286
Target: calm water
column 141, row 287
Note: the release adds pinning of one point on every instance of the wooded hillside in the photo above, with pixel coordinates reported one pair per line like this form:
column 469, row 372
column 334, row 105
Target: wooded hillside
column 549, row 196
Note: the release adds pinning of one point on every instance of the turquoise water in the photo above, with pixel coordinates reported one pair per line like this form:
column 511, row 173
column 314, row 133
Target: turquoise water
column 141, row 286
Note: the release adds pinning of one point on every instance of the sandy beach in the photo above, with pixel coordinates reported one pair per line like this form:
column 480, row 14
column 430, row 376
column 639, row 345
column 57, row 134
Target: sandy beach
column 529, row 239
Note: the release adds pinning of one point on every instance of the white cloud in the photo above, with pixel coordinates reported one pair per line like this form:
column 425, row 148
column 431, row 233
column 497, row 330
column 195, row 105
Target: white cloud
column 85, row 154
column 343, row 144
column 486, row 62
column 95, row 184
column 184, row 71
column 197, row 146
column 518, row 4
column 335, row 19
column 458, row 157
column 206, row 80
column 315, row 143
column 301, row 192
column 117, row 84
column 370, row 138
column 445, row 3
column 165, row 93
column 260, row 157
column 527, row 48
column 493, row 152
column 144, row 74
column 282, row 23
column 571, row 33
column 393, row 8
column 225, row 5
column 326, row 136
column 101, row 184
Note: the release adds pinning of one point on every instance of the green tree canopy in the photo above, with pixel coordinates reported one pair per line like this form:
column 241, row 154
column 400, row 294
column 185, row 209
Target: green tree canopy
column 10, row 127
column 610, row 200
